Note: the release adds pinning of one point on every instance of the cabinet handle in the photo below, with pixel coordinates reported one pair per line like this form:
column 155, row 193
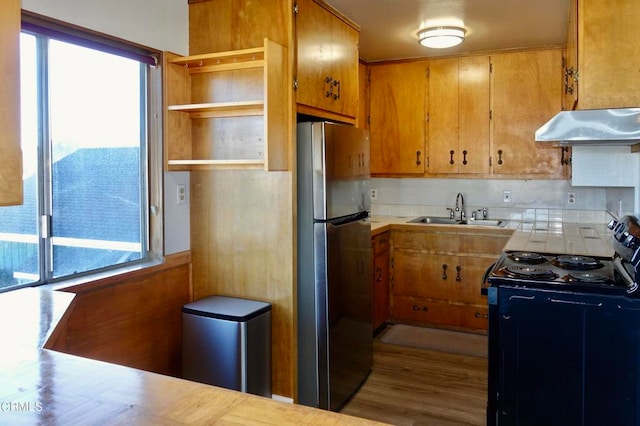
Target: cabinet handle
column 479, row 315
column 420, row 308
column 564, row 161
column 378, row 275
column 451, row 154
column 336, row 96
column 444, row 271
column 418, row 162
column 329, row 92
column 458, row 269
column 464, row 157
column 500, row 156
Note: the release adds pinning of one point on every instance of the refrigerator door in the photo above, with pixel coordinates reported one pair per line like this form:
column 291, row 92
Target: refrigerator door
column 339, row 160
column 343, row 310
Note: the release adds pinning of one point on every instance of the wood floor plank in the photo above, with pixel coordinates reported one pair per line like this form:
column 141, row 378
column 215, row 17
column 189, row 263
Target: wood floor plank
column 413, row 386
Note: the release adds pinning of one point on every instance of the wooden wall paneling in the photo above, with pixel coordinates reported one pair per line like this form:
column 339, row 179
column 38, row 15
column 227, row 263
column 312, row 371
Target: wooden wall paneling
column 242, row 222
column 242, row 247
column 134, row 320
column 220, row 25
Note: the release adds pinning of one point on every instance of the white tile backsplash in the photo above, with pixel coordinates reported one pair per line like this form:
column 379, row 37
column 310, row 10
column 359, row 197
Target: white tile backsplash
column 533, row 200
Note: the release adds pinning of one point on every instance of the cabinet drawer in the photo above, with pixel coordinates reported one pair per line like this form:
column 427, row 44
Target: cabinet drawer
column 417, row 310
column 380, row 243
column 474, row 317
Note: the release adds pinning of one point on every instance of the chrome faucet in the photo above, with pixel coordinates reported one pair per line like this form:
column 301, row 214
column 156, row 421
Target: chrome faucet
column 460, row 205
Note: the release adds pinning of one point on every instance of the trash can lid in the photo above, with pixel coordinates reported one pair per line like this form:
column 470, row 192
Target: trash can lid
column 227, row 308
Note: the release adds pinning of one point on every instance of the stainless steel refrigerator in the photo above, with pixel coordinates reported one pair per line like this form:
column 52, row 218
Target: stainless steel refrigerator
column 335, row 327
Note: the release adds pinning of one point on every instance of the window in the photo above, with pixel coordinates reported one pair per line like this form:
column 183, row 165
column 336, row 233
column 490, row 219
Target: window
column 85, row 131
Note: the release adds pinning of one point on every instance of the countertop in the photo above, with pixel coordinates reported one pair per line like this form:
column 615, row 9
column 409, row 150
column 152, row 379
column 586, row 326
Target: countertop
column 543, row 237
column 41, row 386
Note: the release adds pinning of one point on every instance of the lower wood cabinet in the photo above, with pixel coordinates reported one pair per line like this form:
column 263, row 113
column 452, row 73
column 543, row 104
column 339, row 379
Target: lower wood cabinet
column 380, row 253
column 436, row 275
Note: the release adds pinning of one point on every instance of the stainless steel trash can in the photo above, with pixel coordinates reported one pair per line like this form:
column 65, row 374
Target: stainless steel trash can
column 226, row 342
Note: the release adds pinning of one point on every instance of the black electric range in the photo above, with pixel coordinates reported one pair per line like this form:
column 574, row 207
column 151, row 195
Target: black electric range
column 562, row 272
column 563, row 335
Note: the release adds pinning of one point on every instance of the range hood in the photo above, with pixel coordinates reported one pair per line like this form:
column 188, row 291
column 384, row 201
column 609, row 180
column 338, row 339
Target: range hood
column 592, row 127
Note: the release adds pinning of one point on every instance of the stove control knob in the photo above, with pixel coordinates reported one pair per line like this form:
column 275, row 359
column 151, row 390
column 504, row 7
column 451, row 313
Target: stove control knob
column 630, row 242
column 612, row 224
column 622, row 236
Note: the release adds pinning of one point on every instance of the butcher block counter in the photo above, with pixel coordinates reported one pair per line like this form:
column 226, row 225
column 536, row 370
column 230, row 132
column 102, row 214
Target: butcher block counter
column 41, row 386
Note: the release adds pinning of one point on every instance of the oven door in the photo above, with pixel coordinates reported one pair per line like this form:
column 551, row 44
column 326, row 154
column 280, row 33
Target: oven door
column 493, row 356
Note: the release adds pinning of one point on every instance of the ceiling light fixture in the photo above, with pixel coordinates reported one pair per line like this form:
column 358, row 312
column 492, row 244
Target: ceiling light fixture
column 441, row 37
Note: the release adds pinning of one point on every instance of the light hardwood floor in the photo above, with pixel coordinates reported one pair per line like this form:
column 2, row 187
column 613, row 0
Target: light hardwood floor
column 411, row 386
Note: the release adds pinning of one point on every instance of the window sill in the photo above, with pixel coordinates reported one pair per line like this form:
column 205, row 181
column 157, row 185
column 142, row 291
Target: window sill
column 115, row 276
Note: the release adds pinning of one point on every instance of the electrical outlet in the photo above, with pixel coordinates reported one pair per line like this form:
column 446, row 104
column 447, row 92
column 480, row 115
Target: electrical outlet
column 181, row 194
column 571, row 198
column 374, row 194
column 506, row 196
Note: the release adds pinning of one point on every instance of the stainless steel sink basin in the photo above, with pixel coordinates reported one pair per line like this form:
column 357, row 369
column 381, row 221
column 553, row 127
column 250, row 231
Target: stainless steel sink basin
column 484, row 222
column 435, row 220
column 449, row 221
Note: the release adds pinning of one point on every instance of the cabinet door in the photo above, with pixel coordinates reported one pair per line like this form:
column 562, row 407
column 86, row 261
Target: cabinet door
column 526, row 94
column 459, row 115
column 380, row 289
column 398, row 95
column 313, row 36
column 11, row 165
column 609, row 58
column 472, row 269
column 570, row 76
column 473, row 114
column 344, row 55
column 424, row 275
column 443, row 116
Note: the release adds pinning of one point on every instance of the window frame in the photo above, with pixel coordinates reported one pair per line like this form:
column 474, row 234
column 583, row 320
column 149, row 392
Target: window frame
column 151, row 154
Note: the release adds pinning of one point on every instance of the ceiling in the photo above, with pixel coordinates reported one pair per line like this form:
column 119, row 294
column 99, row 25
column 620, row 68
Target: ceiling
column 388, row 28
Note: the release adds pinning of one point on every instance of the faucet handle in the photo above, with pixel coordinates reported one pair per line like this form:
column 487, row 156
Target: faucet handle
column 450, row 212
column 485, row 213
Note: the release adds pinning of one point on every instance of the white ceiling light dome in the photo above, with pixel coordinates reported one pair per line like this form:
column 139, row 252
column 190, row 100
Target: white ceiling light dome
column 441, row 37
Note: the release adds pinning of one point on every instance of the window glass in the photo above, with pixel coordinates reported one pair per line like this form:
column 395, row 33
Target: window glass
column 84, row 140
column 95, row 124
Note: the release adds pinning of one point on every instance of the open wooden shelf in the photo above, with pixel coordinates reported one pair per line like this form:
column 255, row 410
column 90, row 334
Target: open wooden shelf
column 207, row 98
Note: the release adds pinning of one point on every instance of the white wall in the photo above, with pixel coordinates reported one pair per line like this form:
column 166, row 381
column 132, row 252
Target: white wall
column 160, row 24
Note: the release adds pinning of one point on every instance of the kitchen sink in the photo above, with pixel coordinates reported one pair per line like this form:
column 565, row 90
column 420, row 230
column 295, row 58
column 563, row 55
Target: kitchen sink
column 437, row 220
column 485, row 222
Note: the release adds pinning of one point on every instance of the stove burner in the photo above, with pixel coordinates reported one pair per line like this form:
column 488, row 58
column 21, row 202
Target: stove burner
column 576, row 262
column 529, row 272
column 586, row 277
column 527, row 257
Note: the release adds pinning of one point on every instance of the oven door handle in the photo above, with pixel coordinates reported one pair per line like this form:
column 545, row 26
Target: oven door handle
column 485, row 276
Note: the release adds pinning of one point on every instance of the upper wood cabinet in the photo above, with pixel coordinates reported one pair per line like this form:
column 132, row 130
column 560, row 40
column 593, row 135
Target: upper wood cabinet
column 397, row 107
column 227, row 110
column 526, row 93
column 327, row 62
column 608, row 57
column 459, row 115
column 11, row 165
